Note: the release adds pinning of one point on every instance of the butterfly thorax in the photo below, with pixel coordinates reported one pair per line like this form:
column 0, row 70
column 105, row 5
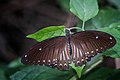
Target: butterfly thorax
column 67, row 32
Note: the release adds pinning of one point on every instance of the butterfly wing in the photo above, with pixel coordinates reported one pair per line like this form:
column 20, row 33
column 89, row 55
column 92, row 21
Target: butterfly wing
column 51, row 52
column 86, row 44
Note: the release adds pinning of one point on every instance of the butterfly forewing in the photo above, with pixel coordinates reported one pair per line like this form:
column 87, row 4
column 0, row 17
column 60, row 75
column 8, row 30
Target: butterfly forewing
column 86, row 44
column 56, row 51
column 51, row 52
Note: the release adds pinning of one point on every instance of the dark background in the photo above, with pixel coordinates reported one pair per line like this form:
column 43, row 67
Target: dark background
column 19, row 18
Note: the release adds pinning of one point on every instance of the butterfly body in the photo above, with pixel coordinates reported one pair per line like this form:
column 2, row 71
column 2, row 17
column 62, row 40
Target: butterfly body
column 62, row 50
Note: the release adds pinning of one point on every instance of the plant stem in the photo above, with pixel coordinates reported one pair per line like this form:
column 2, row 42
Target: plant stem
column 83, row 26
column 74, row 78
column 93, row 65
column 75, row 28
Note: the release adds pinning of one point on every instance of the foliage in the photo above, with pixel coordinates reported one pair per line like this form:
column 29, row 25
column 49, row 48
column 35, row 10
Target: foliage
column 48, row 32
column 77, row 69
column 101, row 73
column 116, row 3
column 42, row 73
column 84, row 9
column 106, row 17
column 107, row 20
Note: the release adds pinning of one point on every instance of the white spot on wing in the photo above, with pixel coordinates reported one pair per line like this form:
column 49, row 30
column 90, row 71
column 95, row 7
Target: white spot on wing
column 25, row 55
column 92, row 51
column 97, row 37
column 65, row 64
column 55, row 65
column 86, row 58
column 38, row 60
column 87, row 52
column 96, row 49
column 53, row 59
column 78, row 61
column 60, row 65
column 40, row 49
column 111, row 38
column 82, row 60
column 48, row 60
column 43, row 60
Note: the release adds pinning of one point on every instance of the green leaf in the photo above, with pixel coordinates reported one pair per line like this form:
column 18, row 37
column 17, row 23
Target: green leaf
column 116, row 3
column 64, row 4
column 115, row 25
column 2, row 74
column 77, row 69
column 88, row 25
column 115, row 51
column 115, row 75
column 93, row 63
column 106, row 17
column 5, row 72
column 15, row 63
column 41, row 73
column 84, row 9
column 102, row 74
column 73, row 78
column 48, row 32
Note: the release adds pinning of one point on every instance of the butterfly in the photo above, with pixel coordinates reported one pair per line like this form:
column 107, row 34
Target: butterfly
column 60, row 51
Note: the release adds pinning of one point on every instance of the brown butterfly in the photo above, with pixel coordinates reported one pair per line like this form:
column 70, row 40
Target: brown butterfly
column 62, row 50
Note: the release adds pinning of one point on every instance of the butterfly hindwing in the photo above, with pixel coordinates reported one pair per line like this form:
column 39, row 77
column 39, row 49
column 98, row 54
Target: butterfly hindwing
column 86, row 44
column 55, row 52
column 51, row 52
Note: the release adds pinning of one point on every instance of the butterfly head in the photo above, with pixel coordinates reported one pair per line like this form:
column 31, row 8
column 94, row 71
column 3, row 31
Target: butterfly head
column 67, row 31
